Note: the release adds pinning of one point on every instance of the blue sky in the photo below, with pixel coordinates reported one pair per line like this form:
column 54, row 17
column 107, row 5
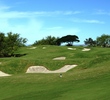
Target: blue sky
column 37, row 19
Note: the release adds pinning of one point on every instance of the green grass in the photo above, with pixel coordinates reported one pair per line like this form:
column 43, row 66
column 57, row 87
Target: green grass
column 88, row 81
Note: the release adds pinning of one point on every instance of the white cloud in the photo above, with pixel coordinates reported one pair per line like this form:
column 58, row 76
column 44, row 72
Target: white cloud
column 71, row 12
column 102, row 12
column 92, row 21
column 5, row 13
column 16, row 14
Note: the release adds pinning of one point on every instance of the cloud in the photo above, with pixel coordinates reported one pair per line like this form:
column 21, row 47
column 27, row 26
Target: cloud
column 92, row 21
column 16, row 14
column 102, row 12
column 71, row 12
column 5, row 12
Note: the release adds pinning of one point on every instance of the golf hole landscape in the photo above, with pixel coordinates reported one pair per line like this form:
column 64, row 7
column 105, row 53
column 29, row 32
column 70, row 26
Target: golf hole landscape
column 54, row 50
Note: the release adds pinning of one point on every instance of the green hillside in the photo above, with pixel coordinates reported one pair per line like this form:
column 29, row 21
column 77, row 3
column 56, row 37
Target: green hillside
column 88, row 81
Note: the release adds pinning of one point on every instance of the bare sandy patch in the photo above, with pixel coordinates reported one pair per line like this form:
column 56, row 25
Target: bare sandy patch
column 3, row 74
column 59, row 58
column 71, row 48
column 42, row 69
column 86, row 49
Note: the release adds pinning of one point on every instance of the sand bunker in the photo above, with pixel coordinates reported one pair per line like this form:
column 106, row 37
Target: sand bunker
column 3, row 74
column 71, row 48
column 59, row 58
column 42, row 69
column 86, row 49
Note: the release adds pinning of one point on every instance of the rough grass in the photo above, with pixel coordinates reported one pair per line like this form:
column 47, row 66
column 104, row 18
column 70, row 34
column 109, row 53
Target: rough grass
column 88, row 81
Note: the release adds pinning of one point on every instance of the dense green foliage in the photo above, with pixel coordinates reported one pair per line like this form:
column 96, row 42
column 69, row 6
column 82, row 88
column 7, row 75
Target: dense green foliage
column 69, row 39
column 49, row 40
column 89, row 80
column 10, row 43
column 102, row 40
column 90, row 42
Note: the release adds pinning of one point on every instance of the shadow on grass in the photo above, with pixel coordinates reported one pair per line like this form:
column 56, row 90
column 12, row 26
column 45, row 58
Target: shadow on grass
column 14, row 55
column 20, row 55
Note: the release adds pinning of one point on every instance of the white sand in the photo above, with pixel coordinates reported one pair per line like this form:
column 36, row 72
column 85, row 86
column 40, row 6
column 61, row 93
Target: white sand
column 86, row 49
column 59, row 58
column 3, row 74
column 71, row 48
column 42, row 69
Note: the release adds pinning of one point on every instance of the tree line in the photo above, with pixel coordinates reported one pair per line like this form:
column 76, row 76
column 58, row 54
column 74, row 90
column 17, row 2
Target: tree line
column 103, row 41
column 51, row 40
column 10, row 42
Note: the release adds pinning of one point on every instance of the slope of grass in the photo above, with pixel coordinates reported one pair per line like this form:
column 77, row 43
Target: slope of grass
column 39, row 56
column 88, row 81
column 51, row 87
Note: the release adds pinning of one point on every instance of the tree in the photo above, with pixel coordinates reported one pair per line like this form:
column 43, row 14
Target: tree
column 2, row 44
column 69, row 39
column 90, row 42
column 102, row 40
column 107, row 42
column 49, row 40
column 10, row 43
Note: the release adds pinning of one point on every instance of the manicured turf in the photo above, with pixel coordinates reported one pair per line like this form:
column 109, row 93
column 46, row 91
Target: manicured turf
column 88, row 81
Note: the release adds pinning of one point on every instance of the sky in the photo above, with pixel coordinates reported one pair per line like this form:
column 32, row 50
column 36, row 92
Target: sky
column 37, row 19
